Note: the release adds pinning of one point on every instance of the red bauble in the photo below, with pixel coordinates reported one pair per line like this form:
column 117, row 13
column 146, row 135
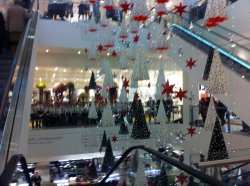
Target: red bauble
column 140, row 18
column 108, row 7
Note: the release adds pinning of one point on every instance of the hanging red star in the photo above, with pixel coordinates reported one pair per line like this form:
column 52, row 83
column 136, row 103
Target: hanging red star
column 100, row 48
column 85, row 125
column 136, row 96
column 149, row 36
column 127, row 159
column 181, row 94
column 114, row 138
column 125, row 7
column 180, row 9
column 191, row 131
column 100, row 149
column 114, row 54
column 161, row 1
column 168, row 89
column 125, row 83
column 181, row 178
column 190, row 63
column 86, row 50
column 136, row 38
column 149, row 85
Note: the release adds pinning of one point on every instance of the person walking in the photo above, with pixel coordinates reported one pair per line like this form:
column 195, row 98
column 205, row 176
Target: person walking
column 36, row 179
column 16, row 19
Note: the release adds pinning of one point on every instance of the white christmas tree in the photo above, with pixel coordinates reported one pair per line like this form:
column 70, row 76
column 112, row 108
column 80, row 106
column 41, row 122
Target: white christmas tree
column 104, row 93
column 211, row 116
column 107, row 116
column 92, row 24
column 140, row 71
column 108, row 4
column 161, row 9
column 123, row 34
column 215, row 9
column 123, row 61
column 161, row 115
column 161, row 43
column 108, row 79
column 132, row 51
column 134, row 27
column 160, row 81
column 123, row 96
column 108, row 38
column 104, row 21
column 134, row 84
column 216, row 80
column 92, row 52
column 139, row 11
column 92, row 111
column 105, row 64
column 141, row 178
column 163, row 135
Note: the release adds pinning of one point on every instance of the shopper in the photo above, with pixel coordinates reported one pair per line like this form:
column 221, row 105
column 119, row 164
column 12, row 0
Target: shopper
column 16, row 19
column 192, row 182
column 36, row 179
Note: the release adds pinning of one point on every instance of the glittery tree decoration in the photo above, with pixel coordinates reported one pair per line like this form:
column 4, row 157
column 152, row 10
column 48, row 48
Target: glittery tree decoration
column 160, row 81
column 123, row 34
column 161, row 115
column 108, row 79
column 156, row 29
column 123, row 96
column 108, row 4
column 140, row 71
column 108, row 159
column 92, row 25
column 216, row 81
column 211, row 116
column 123, row 61
column 92, row 111
column 140, row 128
column 215, row 13
column 107, row 116
column 161, row 43
column 217, row 148
column 134, row 27
column 161, row 9
column 139, row 11
column 104, row 66
column 108, row 39
column 104, row 93
column 92, row 52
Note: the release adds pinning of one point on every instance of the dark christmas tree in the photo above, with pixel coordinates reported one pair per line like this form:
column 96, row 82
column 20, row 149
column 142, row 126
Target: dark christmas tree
column 217, row 149
column 208, row 64
column 92, row 83
column 108, row 159
column 92, row 170
column 140, row 128
column 123, row 128
column 104, row 140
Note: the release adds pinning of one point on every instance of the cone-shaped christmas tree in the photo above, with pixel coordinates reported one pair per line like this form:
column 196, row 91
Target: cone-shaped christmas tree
column 139, row 11
column 107, row 116
column 92, row 25
column 92, row 111
column 104, row 139
column 140, row 71
column 160, row 81
column 217, row 149
column 123, row 34
column 92, row 170
column 123, row 96
column 211, row 116
column 92, row 83
column 123, row 128
column 104, row 93
column 123, row 61
column 104, row 66
column 140, row 128
column 108, row 159
column 92, row 52
column 161, row 115
column 216, row 79
column 108, row 79
column 134, row 84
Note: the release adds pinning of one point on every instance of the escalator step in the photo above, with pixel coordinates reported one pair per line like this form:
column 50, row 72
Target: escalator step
column 2, row 83
column 4, row 75
column 5, row 62
column 5, row 68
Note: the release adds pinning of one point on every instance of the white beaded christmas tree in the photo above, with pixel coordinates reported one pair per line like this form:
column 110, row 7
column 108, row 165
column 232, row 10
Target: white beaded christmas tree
column 140, row 71
column 92, row 24
column 140, row 10
column 123, row 96
column 123, row 34
column 92, row 111
column 161, row 115
column 160, row 81
column 107, row 116
column 92, row 52
column 104, row 65
column 216, row 80
column 108, row 79
column 211, row 116
column 123, row 61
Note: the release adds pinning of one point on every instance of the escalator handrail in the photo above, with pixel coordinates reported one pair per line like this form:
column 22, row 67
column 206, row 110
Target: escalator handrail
column 13, row 124
column 6, row 176
column 224, row 52
column 196, row 173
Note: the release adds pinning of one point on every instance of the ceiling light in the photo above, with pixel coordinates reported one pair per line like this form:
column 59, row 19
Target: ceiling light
column 108, row 54
column 79, row 52
column 233, row 45
column 65, row 79
column 81, row 71
column 56, row 69
column 40, row 79
column 36, row 68
column 54, row 75
column 242, row 76
column 47, row 50
column 64, row 70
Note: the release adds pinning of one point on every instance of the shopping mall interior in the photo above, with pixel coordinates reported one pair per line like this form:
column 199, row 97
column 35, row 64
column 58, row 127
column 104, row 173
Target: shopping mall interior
column 119, row 92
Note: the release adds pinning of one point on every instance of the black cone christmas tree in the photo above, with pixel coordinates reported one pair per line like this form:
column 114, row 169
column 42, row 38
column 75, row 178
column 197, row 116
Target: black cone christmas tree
column 92, row 170
column 104, row 140
column 140, row 128
column 217, row 149
column 108, row 159
column 92, row 83
column 123, row 128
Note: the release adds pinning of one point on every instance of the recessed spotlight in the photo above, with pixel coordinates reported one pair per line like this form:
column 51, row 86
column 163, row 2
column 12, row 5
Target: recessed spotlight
column 160, row 56
column 81, row 71
column 47, row 50
column 36, row 68
column 79, row 52
column 108, row 54
column 64, row 70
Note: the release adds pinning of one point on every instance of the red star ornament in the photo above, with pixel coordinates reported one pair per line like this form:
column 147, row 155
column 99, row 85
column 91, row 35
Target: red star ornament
column 168, row 89
column 125, row 83
column 181, row 94
column 136, row 38
column 191, row 131
column 114, row 138
column 100, row 48
column 114, row 54
column 125, row 7
column 181, row 178
column 190, row 63
column 161, row 1
column 136, row 96
column 180, row 9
